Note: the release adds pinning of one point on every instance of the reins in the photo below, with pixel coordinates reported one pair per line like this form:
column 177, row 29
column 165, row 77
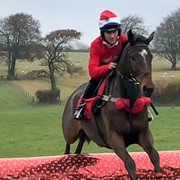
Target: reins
column 145, row 73
column 130, row 77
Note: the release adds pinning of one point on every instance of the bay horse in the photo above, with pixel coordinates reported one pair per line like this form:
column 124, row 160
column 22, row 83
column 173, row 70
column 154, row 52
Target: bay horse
column 113, row 128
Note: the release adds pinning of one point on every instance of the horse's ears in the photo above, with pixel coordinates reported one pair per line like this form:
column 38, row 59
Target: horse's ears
column 130, row 36
column 150, row 38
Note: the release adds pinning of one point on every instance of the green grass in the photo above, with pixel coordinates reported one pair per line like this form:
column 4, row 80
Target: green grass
column 11, row 99
column 165, row 129
column 29, row 129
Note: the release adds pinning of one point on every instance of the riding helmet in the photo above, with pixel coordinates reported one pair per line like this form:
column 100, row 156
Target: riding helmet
column 108, row 22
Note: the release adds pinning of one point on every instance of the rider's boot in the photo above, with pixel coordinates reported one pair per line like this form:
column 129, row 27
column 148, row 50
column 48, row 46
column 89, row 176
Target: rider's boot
column 88, row 93
column 79, row 113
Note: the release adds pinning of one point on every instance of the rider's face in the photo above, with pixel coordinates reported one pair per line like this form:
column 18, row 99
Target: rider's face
column 111, row 36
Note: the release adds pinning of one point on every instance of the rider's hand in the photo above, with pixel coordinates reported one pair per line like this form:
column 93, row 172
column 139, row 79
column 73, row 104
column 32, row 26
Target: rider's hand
column 112, row 65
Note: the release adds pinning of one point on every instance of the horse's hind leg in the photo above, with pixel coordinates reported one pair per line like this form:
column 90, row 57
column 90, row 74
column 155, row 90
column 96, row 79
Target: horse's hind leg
column 82, row 139
column 146, row 142
column 80, row 145
column 67, row 150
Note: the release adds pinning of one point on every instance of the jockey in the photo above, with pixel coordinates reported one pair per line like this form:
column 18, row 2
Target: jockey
column 103, row 50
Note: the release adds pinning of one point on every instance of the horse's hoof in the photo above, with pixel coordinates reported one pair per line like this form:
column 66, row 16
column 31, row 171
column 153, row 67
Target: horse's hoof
column 159, row 176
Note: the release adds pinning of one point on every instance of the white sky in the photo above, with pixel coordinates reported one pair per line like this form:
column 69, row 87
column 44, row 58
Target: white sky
column 83, row 15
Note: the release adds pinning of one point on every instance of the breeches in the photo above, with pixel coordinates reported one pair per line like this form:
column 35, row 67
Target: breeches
column 91, row 87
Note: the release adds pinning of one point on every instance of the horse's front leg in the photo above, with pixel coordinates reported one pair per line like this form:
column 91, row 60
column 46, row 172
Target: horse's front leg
column 116, row 142
column 67, row 150
column 79, row 147
column 146, row 142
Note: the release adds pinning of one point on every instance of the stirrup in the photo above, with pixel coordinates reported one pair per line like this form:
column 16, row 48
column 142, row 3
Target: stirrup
column 78, row 115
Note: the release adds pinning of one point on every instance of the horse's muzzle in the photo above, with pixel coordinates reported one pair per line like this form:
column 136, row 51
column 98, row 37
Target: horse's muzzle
column 147, row 91
column 147, row 86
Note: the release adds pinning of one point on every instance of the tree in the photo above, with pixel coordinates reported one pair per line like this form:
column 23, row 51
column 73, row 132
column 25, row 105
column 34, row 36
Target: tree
column 167, row 38
column 134, row 23
column 53, row 46
column 18, row 36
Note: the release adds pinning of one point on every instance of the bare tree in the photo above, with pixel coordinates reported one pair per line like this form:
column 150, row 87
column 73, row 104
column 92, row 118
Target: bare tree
column 167, row 38
column 18, row 34
column 134, row 23
column 53, row 46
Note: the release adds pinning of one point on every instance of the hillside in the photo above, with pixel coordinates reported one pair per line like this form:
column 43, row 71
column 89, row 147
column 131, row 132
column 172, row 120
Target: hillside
column 12, row 99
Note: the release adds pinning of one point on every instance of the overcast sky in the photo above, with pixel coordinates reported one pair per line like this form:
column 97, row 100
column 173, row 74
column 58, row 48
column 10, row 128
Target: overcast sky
column 83, row 15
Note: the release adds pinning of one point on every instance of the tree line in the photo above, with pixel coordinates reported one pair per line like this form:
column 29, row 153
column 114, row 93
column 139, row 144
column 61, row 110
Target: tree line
column 20, row 38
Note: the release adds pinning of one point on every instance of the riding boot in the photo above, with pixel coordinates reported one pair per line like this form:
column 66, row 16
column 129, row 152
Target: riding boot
column 88, row 93
column 79, row 113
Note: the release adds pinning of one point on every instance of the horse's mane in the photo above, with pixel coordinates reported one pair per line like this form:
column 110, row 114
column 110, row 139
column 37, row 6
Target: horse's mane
column 140, row 39
column 124, row 45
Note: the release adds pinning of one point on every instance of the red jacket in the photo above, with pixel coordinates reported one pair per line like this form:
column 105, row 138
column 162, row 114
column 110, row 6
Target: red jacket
column 101, row 55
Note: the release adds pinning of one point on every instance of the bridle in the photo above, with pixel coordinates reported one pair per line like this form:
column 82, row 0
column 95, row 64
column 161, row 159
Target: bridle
column 132, row 75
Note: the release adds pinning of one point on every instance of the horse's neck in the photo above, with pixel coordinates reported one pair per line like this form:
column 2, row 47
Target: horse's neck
column 123, row 59
column 121, row 84
column 117, row 83
column 124, row 88
column 115, row 86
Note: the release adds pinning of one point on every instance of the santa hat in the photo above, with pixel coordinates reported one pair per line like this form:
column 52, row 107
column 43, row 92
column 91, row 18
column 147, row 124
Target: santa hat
column 108, row 17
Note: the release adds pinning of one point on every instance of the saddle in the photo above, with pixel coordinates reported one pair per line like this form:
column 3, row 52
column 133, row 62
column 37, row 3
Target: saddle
column 94, row 104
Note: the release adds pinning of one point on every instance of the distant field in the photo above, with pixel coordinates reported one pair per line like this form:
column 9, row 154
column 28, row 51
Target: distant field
column 65, row 83
column 161, row 75
column 161, row 71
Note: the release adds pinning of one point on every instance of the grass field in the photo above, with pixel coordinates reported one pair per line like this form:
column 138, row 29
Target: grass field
column 30, row 129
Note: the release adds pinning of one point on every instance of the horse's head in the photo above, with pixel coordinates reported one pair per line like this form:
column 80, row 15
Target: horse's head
column 136, row 62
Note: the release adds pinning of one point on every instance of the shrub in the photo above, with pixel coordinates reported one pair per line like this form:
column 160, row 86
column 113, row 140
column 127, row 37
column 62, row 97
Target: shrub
column 167, row 95
column 36, row 74
column 48, row 97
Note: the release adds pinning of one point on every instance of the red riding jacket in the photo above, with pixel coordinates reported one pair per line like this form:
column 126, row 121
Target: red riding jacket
column 101, row 55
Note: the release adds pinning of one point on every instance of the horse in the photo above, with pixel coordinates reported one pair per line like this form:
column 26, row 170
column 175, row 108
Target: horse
column 113, row 128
